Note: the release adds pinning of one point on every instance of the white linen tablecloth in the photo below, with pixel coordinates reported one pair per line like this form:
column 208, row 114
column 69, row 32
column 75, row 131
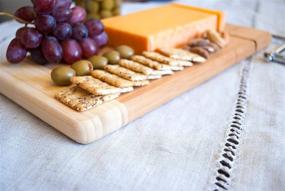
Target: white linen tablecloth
column 175, row 147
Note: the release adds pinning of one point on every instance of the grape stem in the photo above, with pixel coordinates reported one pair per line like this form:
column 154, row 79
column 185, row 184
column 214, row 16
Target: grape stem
column 14, row 17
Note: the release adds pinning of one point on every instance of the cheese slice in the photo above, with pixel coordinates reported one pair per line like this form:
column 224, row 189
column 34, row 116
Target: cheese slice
column 168, row 26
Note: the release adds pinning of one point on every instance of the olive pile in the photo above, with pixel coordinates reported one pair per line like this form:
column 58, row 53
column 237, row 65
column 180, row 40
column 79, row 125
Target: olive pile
column 62, row 75
column 97, row 9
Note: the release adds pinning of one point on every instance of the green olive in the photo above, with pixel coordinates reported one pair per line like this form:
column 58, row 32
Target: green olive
column 92, row 6
column 116, row 11
column 112, row 56
column 108, row 4
column 62, row 75
column 118, row 3
column 98, row 62
column 125, row 51
column 93, row 16
column 82, row 67
column 105, row 14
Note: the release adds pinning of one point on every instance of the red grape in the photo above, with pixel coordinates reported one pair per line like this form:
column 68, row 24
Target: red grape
column 63, row 31
column 51, row 49
column 61, row 14
column 78, row 14
column 44, row 6
column 95, row 27
column 63, row 4
column 45, row 23
column 15, row 52
column 79, row 31
column 29, row 37
column 26, row 13
column 101, row 39
column 89, row 47
column 20, row 32
column 71, row 51
column 38, row 57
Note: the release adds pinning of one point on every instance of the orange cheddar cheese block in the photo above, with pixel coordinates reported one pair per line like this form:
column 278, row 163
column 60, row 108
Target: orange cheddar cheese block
column 167, row 26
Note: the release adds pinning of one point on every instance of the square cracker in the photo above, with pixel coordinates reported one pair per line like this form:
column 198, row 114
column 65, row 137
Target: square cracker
column 81, row 100
column 111, row 79
column 167, row 59
column 140, row 83
column 125, row 73
column 165, row 72
column 150, row 63
column 137, row 67
column 181, row 54
column 127, row 89
column 95, row 86
column 176, row 68
column 154, row 77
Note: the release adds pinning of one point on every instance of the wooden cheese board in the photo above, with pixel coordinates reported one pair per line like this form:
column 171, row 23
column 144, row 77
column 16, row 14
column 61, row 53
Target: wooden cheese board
column 30, row 86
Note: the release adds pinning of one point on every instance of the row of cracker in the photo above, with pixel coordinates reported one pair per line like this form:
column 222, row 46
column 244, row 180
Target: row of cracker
column 106, row 85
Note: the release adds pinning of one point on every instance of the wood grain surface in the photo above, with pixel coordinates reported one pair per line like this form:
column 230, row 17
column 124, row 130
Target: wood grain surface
column 29, row 85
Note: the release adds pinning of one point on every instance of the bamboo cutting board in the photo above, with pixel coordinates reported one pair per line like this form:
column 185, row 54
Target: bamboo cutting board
column 30, row 86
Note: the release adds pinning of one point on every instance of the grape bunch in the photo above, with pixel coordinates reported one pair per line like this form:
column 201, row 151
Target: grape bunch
column 55, row 31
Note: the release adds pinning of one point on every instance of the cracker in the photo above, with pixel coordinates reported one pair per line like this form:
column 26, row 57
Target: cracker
column 153, row 77
column 140, row 83
column 125, row 73
column 81, row 100
column 127, row 89
column 183, row 63
column 164, row 59
column 94, row 86
column 165, row 72
column 111, row 79
column 136, row 67
column 150, row 63
column 180, row 54
column 158, row 57
column 176, row 68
